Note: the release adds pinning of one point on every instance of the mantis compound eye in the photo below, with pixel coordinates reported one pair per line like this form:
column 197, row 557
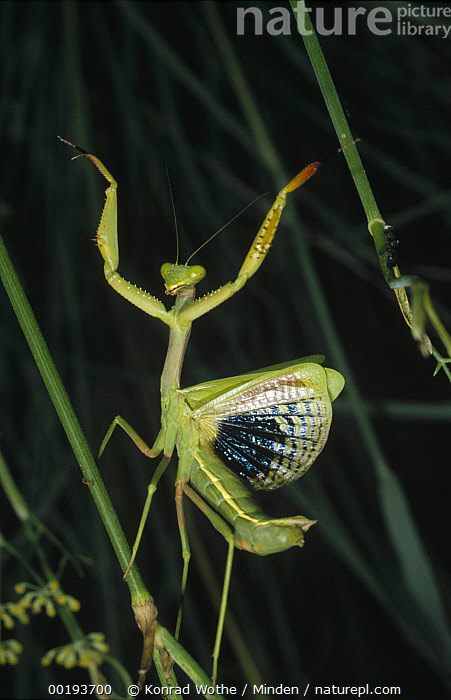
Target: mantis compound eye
column 164, row 269
column 195, row 273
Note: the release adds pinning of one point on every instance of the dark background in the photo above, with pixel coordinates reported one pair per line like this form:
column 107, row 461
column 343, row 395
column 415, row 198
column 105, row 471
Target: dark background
column 145, row 84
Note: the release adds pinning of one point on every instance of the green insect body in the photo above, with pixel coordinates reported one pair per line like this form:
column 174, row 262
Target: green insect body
column 265, row 428
column 253, row 530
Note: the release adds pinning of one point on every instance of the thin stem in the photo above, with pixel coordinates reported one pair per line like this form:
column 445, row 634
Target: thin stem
column 336, row 112
column 69, row 420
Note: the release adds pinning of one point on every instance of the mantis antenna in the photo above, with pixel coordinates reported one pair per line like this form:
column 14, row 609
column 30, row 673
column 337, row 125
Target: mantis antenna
column 175, row 217
column 223, row 227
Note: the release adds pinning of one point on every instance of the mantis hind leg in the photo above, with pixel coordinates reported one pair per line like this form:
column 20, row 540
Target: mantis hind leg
column 186, row 551
column 152, row 487
column 220, row 525
column 150, row 452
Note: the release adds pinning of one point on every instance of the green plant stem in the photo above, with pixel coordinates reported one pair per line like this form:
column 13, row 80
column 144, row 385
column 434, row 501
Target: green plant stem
column 375, row 220
column 33, row 529
column 165, row 640
column 337, row 114
column 405, row 538
column 70, row 423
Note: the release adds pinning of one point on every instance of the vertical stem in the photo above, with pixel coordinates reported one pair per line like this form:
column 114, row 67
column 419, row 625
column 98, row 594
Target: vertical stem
column 335, row 110
column 69, row 421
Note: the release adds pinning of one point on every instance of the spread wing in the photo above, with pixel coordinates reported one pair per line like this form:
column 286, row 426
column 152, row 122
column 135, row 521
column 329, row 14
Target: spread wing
column 270, row 430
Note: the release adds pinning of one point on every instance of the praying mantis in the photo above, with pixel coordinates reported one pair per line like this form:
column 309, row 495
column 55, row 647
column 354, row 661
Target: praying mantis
column 265, row 428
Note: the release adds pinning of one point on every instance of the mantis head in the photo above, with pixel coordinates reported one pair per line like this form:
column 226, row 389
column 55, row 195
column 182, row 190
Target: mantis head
column 178, row 277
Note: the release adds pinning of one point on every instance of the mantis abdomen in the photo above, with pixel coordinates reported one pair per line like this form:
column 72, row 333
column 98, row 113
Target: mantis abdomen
column 253, row 530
